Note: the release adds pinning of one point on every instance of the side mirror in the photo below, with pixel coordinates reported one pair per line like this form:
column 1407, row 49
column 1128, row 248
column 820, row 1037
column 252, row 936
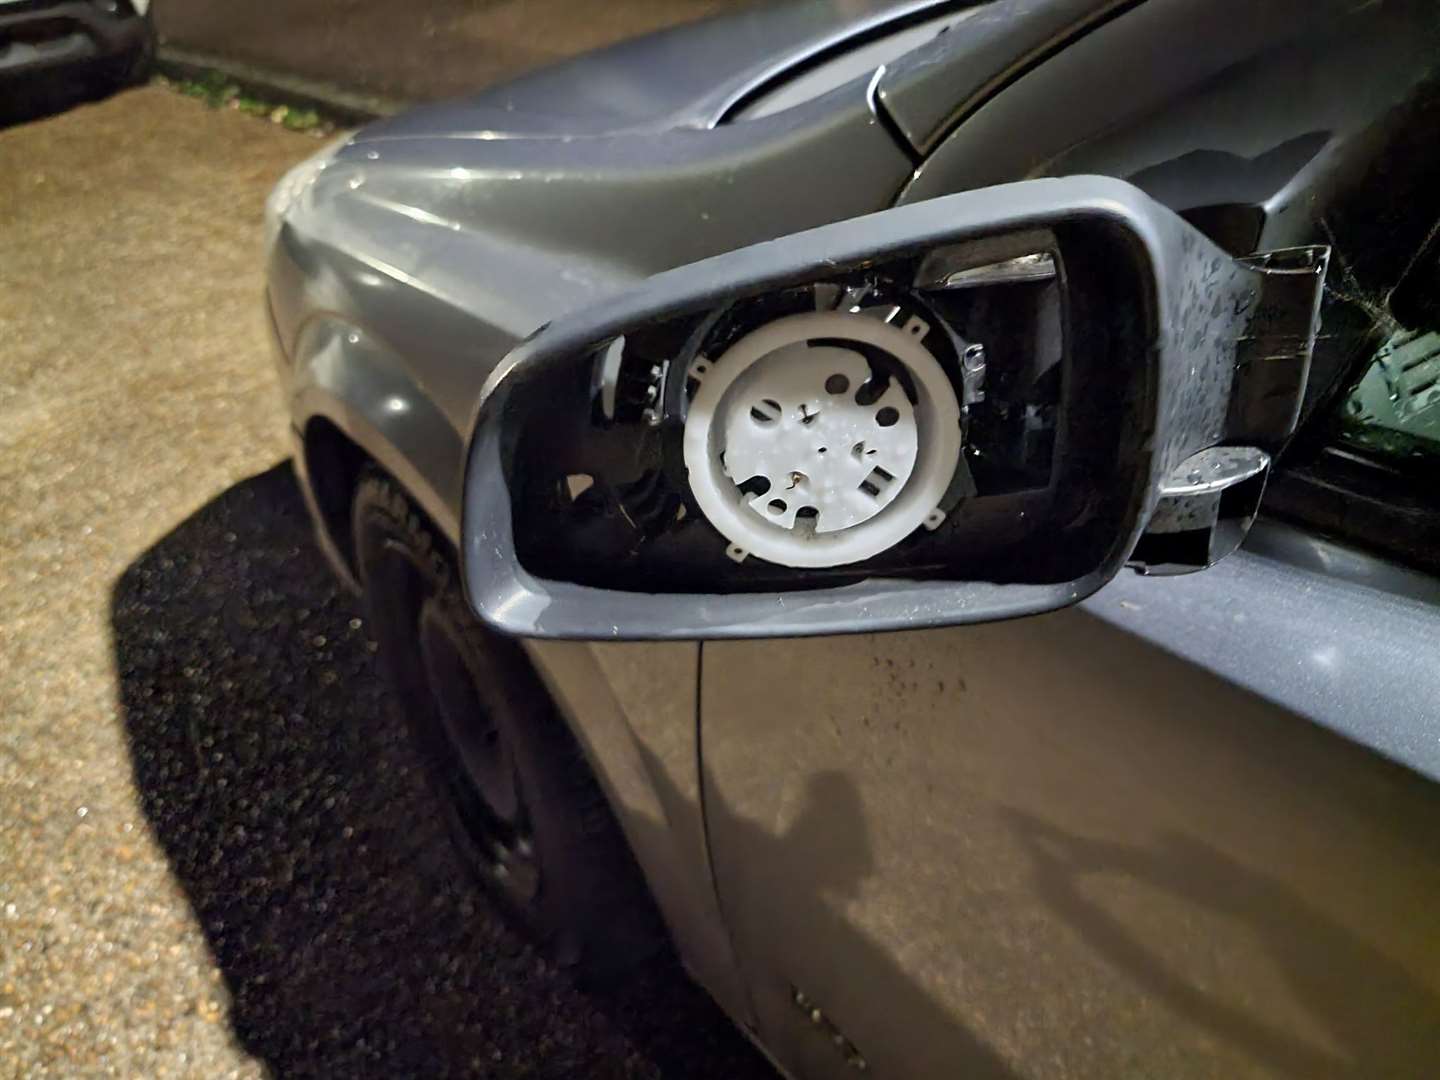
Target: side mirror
column 967, row 409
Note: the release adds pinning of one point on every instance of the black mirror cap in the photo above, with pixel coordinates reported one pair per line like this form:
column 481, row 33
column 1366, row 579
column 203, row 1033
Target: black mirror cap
column 1157, row 314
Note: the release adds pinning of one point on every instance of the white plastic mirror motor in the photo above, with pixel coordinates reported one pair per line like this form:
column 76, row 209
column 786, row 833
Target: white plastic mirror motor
column 794, row 462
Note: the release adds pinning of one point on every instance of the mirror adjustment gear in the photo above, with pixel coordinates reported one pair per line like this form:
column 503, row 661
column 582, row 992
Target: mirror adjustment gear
column 802, row 454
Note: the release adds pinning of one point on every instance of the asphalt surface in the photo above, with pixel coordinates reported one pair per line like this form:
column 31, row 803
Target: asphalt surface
column 415, row 52
column 217, row 857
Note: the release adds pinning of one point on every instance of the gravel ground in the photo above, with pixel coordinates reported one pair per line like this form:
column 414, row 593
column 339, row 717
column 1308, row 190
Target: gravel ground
column 216, row 854
column 417, row 52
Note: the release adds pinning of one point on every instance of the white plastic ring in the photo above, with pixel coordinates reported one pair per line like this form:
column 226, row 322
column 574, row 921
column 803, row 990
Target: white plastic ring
column 775, row 406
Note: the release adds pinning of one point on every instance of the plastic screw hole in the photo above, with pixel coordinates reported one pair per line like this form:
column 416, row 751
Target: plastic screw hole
column 878, row 480
column 777, row 506
column 765, row 412
column 837, row 384
column 887, row 417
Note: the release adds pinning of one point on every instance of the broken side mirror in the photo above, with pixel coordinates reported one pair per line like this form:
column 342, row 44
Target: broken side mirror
column 972, row 408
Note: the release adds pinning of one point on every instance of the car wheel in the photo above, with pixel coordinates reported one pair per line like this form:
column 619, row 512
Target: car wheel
column 135, row 69
column 132, row 68
column 527, row 815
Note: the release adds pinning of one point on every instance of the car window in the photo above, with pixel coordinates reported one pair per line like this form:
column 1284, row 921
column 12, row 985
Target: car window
column 1369, row 479
column 812, row 81
column 1394, row 410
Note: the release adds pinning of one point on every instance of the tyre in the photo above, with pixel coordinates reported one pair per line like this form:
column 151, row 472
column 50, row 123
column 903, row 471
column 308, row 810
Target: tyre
column 529, row 820
column 134, row 68
column 98, row 79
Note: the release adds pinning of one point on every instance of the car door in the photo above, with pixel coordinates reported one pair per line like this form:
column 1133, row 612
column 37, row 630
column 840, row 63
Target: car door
column 1187, row 828
column 1108, row 841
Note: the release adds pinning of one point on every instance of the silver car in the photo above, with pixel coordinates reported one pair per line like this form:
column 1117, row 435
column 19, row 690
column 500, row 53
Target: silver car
column 927, row 509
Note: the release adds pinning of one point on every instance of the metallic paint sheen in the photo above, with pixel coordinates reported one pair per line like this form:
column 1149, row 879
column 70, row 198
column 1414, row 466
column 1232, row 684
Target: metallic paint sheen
column 1051, row 847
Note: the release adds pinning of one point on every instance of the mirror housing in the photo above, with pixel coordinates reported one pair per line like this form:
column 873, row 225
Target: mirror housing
column 972, row 408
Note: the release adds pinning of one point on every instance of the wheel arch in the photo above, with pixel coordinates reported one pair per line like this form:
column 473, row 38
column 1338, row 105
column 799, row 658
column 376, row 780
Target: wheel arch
column 355, row 404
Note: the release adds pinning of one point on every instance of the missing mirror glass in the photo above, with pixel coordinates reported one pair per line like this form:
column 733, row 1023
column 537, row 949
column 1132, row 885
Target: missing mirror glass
column 902, row 418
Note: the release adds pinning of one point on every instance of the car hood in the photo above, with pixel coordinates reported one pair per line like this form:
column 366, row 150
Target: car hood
column 682, row 77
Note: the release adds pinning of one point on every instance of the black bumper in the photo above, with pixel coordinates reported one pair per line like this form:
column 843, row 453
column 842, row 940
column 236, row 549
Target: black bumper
column 42, row 35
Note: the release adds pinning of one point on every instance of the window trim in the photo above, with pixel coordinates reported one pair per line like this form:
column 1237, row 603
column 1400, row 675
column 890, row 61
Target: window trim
column 1367, row 501
column 886, row 25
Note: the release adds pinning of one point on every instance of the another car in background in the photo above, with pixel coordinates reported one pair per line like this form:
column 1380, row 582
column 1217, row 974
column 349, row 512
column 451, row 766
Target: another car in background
column 94, row 44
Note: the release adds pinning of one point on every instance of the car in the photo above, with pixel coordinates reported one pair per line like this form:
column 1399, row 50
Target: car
column 99, row 43
column 926, row 509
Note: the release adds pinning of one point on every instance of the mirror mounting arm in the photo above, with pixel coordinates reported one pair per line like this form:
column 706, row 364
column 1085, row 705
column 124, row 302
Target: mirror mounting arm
column 1272, row 358
column 1208, row 502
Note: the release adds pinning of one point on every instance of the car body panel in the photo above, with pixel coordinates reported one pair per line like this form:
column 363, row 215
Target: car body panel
column 689, row 76
column 449, row 251
column 1257, row 94
column 635, row 709
column 1318, row 629
column 931, row 90
column 355, row 381
column 1152, row 835
column 1054, row 847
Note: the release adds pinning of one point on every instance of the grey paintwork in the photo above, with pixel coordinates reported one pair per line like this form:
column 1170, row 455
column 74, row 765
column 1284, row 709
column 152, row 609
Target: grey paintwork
column 932, row 89
column 1156, row 753
column 1308, row 78
column 1341, row 638
column 689, row 77
column 439, row 246
column 449, row 250
column 1274, row 106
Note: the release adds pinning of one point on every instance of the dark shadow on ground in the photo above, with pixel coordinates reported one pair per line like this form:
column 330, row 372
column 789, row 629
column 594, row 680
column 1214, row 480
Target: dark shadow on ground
column 279, row 782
